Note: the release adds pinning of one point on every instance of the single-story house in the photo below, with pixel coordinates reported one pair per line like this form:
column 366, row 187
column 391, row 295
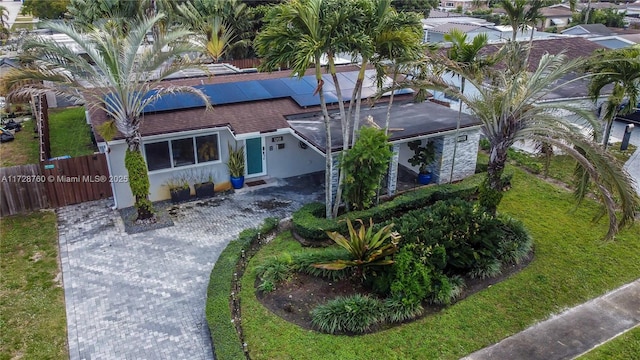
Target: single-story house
column 276, row 118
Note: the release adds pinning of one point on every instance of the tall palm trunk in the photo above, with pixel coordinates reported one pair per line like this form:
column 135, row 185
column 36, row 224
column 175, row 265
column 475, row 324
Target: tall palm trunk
column 356, row 97
column 491, row 189
column 345, row 131
column 328, row 168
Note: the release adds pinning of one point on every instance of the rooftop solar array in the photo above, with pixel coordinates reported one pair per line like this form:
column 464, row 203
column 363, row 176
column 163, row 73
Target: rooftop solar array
column 301, row 90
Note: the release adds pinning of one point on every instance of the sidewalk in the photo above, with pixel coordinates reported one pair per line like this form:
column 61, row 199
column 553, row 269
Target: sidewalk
column 574, row 332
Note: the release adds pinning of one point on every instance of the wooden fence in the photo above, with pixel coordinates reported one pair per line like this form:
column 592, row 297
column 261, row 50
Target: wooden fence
column 53, row 184
column 244, row 63
column 22, row 189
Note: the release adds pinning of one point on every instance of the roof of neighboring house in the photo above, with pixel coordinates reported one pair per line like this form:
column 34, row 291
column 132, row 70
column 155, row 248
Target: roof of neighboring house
column 9, row 62
column 592, row 29
column 408, row 119
column 556, row 11
column 435, row 13
column 446, row 28
column 631, row 37
column 571, row 47
column 612, row 42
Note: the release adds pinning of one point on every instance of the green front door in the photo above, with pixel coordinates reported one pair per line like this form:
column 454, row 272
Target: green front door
column 255, row 164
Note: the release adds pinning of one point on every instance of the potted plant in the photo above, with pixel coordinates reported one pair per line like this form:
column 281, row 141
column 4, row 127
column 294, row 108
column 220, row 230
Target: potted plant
column 179, row 189
column 423, row 156
column 235, row 164
column 204, row 185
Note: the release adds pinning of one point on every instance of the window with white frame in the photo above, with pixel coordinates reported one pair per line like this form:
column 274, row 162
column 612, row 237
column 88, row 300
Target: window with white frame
column 180, row 152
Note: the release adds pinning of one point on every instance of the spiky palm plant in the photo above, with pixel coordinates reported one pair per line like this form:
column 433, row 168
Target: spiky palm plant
column 121, row 74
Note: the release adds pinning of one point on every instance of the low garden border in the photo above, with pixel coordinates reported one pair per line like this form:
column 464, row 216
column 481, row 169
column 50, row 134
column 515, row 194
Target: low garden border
column 310, row 224
column 224, row 287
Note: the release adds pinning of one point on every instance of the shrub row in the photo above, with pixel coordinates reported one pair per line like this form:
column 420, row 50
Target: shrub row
column 309, row 222
column 218, row 312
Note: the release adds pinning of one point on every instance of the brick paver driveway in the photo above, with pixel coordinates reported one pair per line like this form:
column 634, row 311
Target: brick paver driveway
column 142, row 296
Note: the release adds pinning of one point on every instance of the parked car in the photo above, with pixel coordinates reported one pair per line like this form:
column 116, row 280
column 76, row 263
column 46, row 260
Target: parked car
column 5, row 135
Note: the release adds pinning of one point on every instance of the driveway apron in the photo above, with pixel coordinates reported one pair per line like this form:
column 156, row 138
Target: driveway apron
column 142, row 296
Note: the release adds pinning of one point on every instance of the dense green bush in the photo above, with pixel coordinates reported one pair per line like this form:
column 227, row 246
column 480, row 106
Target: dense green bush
column 412, row 278
column 353, row 314
column 309, row 222
column 364, row 165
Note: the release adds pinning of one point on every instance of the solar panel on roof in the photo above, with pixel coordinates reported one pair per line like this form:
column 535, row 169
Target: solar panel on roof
column 173, row 102
column 300, row 90
column 254, row 90
column 276, row 87
column 299, row 87
column 227, row 93
column 313, row 100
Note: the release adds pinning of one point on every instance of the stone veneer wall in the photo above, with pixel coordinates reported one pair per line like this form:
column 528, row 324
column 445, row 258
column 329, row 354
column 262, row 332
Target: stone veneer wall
column 466, row 156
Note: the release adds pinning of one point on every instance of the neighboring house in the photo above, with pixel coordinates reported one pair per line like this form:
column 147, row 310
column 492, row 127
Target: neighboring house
column 437, row 19
column 436, row 34
column 559, row 15
column 461, row 4
column 573, row 47
column 588, row 30
column 276, row 118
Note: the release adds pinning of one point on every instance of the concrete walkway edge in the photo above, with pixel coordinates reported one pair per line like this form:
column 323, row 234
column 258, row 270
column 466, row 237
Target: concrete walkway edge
column 573, row 332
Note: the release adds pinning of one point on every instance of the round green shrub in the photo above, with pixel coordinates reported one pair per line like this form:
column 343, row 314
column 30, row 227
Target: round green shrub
column 354, row 314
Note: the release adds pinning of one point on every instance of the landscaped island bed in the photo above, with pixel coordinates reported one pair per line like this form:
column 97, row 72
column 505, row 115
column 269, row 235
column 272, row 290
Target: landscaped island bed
column 571, row 265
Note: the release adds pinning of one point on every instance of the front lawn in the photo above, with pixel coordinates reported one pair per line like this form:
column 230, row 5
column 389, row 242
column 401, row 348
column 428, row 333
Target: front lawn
column 32, row 311
column 624, row 347
column 571, row 265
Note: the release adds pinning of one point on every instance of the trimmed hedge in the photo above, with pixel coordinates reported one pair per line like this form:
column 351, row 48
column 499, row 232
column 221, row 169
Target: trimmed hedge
column 226, row 342
column 309, row 222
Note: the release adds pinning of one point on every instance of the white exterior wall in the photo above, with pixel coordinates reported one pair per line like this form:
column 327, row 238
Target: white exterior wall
column 157, row 179
column 291, row 160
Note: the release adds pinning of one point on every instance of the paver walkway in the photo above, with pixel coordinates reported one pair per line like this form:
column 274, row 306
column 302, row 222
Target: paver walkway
column 143, row 296
column 573, row 332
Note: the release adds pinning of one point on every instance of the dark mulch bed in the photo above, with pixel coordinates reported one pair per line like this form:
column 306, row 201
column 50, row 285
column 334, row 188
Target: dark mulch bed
column 295, row 299
column 162, row 218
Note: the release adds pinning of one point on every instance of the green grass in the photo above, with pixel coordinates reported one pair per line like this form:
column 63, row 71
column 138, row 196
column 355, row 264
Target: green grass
column 22, row 150
column 32, row 312
column 624, row 347
column 571, row 265
column 69, row 132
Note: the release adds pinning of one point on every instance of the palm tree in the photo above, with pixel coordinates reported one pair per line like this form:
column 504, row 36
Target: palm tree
column 4, row 16
column 466, row 56
column 522, row 13
column 221, row 26
column 512, row 109
column 386, row 36
column 620, row 68
column 299, row 33
column 117, row 75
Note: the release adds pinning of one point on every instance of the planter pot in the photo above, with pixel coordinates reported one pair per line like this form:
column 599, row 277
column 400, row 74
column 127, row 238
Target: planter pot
column 180, row 195
column 424, row 179
column 237, row 182
column 204, row 190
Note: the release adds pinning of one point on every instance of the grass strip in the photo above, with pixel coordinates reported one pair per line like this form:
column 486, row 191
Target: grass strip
column 32, row 311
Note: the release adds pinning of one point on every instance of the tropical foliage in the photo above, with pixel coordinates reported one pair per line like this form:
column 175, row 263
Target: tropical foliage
column 366, row 247
column 619, row 68
column 511, row 110
column 364, row 165
column 120, row 75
